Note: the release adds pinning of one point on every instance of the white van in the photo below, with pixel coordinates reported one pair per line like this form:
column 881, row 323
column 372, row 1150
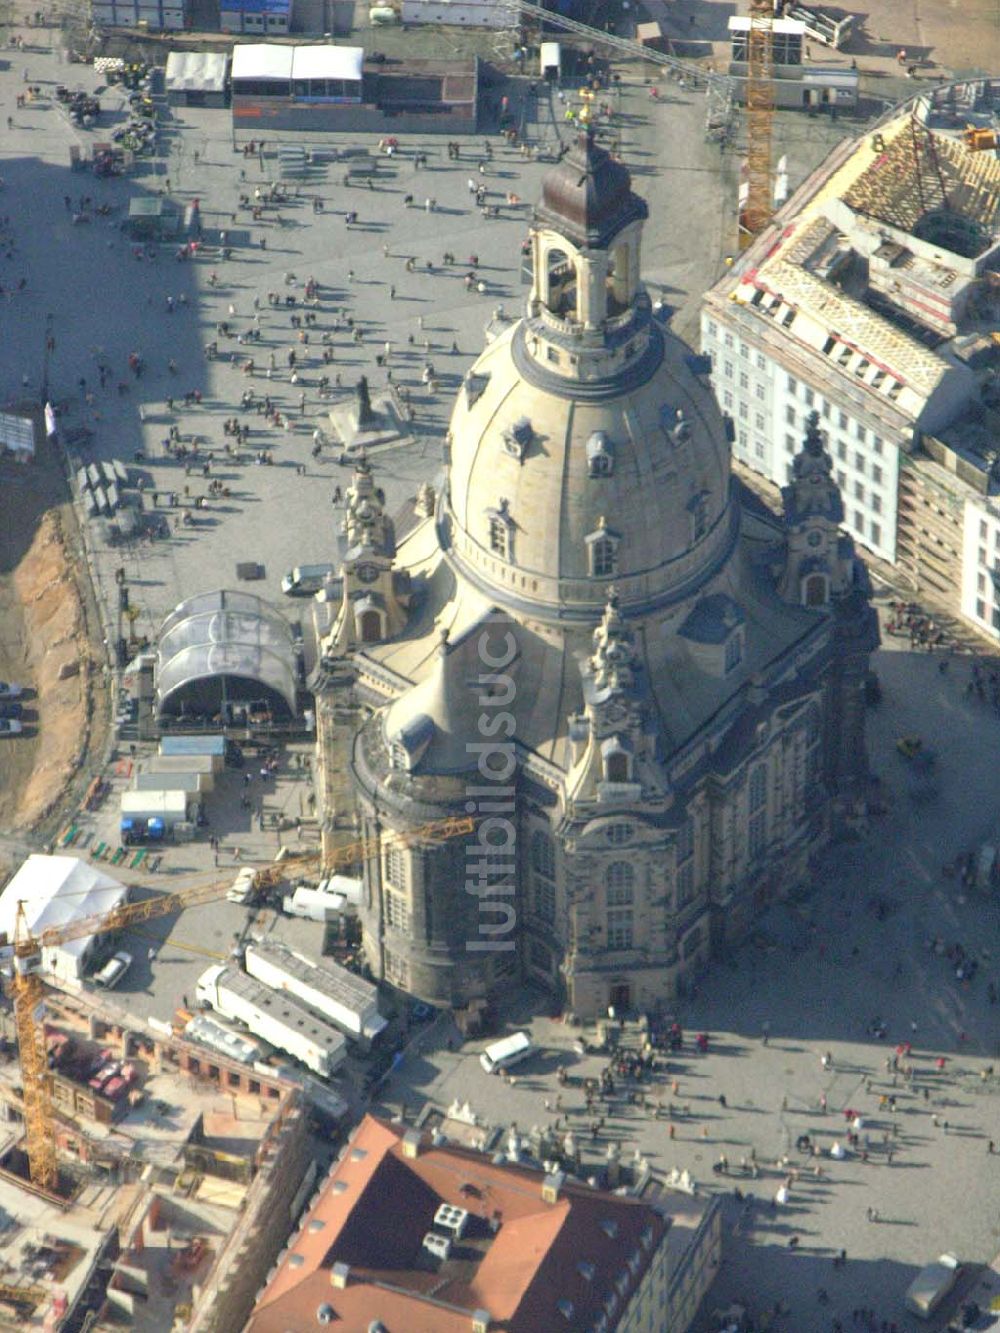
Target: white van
column 510, row 1051
column 243, row 886
column 113, row 970
column 931, row 1285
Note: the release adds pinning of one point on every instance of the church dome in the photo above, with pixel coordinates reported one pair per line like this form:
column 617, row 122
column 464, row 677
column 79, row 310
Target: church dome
column 585, row 451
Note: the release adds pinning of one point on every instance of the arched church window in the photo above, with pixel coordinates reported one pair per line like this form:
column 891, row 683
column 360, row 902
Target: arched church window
column 616, row 768
column 603, row 557
column 560, row 284
column 815, row 590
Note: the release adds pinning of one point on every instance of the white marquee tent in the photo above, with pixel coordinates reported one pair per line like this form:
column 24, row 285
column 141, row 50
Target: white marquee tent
column 57, row 890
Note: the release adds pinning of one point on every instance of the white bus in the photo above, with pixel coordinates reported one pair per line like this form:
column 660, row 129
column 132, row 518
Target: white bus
column 509, row 1051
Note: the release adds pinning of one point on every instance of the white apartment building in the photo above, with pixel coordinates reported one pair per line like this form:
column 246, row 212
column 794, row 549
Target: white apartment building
column 870, row 300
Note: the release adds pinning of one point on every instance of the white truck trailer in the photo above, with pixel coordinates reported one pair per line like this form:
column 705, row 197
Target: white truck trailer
column 275, row 1017
column 347, row 1000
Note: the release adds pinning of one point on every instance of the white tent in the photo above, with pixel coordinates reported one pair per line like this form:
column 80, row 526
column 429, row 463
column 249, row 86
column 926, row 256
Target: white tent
column 57, row 890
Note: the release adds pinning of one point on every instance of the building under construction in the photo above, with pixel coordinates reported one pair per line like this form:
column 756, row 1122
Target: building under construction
column 872, row 298
column 178, row 1172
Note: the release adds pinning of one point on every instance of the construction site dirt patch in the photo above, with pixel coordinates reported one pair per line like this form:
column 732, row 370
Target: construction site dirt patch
column 46, row 621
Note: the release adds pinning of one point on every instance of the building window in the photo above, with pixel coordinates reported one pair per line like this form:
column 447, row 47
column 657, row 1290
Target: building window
column 744, row 380
column 980, row 608
column 397, row 970
column 397, row 911
column 734, row 651
column 727, row 369
column 876, row 503
column 842, row 420
column 543, row 865
column 859, row 463
column 858, row 521
column 685, row 884
column 758, row 787
column 620, row 928
column 744, row 411
column 810, row 398
column 539, row 957
column 758, row 421
column 760, row 391
column 859, row 491
column 841, row 480
column 824, row 408
column 729, row 340
column 758, row 448
column 876, row 534
column 727, row 399
column 790, row 415
column 981, row 583
column 860, row 431
column 699, row 511
column 761, row 361
column 744, row 350
column 618, row 834
column 876, row 474
column 982, row 555
column 713, row 329
column 877, row 445
column 602, row 557
column 499, row 538
column 842, row 451
column 741, row 439
column 620, row 882
column 793, row 384
column 790, row 443
column 395, row 867
column 757, row 835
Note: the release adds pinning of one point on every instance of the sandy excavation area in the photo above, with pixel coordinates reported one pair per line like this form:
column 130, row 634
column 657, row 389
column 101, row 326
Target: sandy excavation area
column 47, row 619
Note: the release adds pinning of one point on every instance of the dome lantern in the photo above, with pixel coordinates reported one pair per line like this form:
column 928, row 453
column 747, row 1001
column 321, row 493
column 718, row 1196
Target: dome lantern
column 585, row 241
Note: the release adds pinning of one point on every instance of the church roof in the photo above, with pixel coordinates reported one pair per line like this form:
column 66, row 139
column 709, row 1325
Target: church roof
column 588, row 196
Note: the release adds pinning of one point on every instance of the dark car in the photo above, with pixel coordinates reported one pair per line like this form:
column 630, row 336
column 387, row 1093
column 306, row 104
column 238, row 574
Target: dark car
column 9, row 710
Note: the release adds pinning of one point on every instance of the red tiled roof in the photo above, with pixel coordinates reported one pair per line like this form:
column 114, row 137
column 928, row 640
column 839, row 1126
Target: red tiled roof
column 520, row 1257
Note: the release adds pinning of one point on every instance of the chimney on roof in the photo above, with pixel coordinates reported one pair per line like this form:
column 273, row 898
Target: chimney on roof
column 411, row 1143
column 551, row 1186
column 481, row 1321
column 340, row 1276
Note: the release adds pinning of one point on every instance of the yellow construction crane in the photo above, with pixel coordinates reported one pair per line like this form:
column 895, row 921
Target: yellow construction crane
column 760, row 119
column 29, row 990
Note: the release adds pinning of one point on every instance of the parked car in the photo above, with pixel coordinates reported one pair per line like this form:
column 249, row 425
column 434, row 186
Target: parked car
column 113, row 970
column 9, row 690
column 8, row 727
column 11, row 710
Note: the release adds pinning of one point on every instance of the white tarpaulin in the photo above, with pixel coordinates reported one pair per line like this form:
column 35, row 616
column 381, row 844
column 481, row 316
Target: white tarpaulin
column 328, row 62
column 264, row 60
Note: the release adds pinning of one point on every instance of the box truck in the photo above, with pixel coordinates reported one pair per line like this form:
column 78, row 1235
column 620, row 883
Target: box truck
column 273, row 1016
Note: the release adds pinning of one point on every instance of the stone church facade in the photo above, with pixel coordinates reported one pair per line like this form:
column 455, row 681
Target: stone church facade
column 647, row 693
